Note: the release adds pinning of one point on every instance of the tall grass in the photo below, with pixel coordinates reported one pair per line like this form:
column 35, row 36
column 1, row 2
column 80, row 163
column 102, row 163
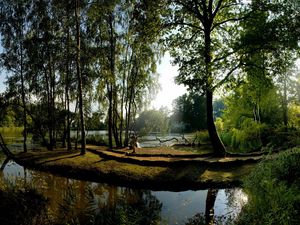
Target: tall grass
column 274, row 192
column 22, row 205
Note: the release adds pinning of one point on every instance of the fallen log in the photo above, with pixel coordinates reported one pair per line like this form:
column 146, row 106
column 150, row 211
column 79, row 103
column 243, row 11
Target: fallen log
column 163, row 141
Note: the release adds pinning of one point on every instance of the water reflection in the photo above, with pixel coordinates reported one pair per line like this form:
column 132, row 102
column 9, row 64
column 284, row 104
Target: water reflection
column 210, row 202
column 97, row 203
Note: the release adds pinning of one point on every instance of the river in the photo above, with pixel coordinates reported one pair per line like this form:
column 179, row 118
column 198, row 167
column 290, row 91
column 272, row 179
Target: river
column 166, row 207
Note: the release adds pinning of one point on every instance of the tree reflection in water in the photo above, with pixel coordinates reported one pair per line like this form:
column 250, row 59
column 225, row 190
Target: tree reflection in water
column 80, row 202
column 117, row 206
column 208, row 217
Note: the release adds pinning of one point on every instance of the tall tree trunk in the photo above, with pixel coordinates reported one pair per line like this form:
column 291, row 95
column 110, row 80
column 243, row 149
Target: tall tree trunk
column 218, row 146
column 23, row 102
column 116, row 120
column 111, row 81
column 52, row 86
column 49, row 146
column 79, row 77
column 64, row 135
column 69, row 147
column 123, row 99
column 127, row 121
column 128, row 99
column 110, row 122
column 285, row 104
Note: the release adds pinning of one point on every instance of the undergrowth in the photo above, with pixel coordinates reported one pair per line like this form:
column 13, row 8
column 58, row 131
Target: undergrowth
column 274, row 191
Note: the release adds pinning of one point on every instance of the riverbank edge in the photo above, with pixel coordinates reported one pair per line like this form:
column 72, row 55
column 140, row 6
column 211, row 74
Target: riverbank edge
column 169, row 178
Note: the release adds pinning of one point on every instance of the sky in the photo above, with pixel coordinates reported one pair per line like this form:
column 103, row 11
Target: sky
column 2, row 79
column 168, row 91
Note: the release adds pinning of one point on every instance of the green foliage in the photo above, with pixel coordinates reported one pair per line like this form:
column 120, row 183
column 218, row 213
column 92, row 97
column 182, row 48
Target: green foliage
column 201, row 137
column 198, row 219
column 248, row 137
column 97, row 139
column 294, row 114
column 11, row 131
column 10, row 116
column 22, row 205
column 219, row 107
column 144, row 210
column 189, row 111
column 274, row 191
column 95, row 122
column 252, row 112
column 283, row 137
column 152, row 121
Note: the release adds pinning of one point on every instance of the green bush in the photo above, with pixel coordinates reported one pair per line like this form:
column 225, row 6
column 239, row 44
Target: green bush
column 248, row 137
column 201, row 137
column 97, row 139
column 284, row 138
column 274, row 191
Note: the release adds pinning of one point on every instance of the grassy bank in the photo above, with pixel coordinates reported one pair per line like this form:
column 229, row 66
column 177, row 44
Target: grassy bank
column 95, row 168
column 273, row 188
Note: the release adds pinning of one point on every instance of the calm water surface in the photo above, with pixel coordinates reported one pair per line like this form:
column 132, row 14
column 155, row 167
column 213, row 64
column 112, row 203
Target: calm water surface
column 169, row 207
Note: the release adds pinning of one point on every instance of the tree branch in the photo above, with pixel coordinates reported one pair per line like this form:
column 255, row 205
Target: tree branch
column 226, row 21
column 227, row 76
column 197, row 11
column 176, row 23
column 210, row 9
column 218, row 8
column 223, row 57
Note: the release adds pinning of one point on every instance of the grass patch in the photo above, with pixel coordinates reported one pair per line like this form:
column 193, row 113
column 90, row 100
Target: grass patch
column 95, row 168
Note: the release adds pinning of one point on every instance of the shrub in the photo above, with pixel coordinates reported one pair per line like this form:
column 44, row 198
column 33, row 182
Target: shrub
column 100, row 140
column 274, row 191
column 248, row 137
column 284, row 138
column 201, row 137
